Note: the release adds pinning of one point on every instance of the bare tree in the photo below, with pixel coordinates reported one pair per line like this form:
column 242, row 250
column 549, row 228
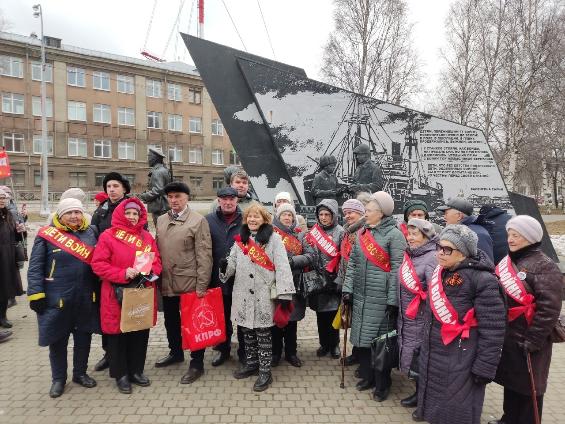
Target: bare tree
column 5, row 24
column 370, row 50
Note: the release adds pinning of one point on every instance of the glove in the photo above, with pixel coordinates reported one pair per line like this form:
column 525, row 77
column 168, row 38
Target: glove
column 481, row 381
column 346, row 299
column 285, row 303
column 391, row 310
column 223, row 265
column 527, row 347
column 39, row 306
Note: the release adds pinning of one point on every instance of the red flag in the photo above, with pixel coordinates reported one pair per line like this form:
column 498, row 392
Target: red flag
column 4, row 164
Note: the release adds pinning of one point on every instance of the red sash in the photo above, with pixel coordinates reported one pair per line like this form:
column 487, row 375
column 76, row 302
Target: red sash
column 255, row 253
column 373, row 252
column 291, row 243
column 515, row 289
column 67, row 242
column 404, row 229
column 131, row 240
column 445, row 312
column 412, row 283
column 345, row 247
column 318, row 237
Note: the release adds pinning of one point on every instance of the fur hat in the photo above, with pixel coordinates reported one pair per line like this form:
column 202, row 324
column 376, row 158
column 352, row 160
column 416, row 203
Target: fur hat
column 527, row 226
column 353, row 205
column 462, row 237
column 385, row 202
column 414, row 205
column 116, row 176
column 69, row 204
column 285, row 207
column 74, row 193
column 425, row 227
column 177, row 187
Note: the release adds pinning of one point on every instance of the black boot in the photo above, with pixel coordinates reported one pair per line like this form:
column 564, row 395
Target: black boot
column 124, row 386
column 244, row 371
column 411, row 401
column 263, row 382
column 102, row 364
column 57, row 389
column 5, row 323
column 417, row 417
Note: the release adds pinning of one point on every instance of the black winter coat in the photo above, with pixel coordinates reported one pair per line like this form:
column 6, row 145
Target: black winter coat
column 497, row 218
column 10, row 283
column 479, row 226
column 69, row 286
column 102, row 216
column 447, row 393
column 545, row 281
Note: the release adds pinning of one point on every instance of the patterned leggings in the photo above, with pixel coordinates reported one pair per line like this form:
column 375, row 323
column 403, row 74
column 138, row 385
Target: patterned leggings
column 258, row 348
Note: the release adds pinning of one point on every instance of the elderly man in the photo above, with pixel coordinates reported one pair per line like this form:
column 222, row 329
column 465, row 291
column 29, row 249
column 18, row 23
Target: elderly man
column 183, row 238
column 458, row 210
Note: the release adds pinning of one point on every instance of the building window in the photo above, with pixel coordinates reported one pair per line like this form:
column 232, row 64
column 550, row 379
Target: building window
column 195, row 155
column 217, row 127
column 37, row 178
column 154, row 120
column 11, row 66
column 153, row 88
column 13, row 142
column 175, row 154
column 13, row 103
column 77, row 179
column 102, row 114
column 217, row 157
column 174, row 92
column 195, row 182
column 37, row 145
column 99, row 180
column 175, row 122
column 126, row 116
column 102, row 149
column 125, row 84
column 76, row 111
column 130, row 178
column 126, row 150
column 195, row 125
column 77, row 147
column 101, row 81
column 75, row 77
column 217, row 183
column 36, row 72
column 36, row 106
column 234, row 158
column 19, row 178
column 194, row 96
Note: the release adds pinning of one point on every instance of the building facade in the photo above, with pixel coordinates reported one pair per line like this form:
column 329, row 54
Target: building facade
column 103, row 112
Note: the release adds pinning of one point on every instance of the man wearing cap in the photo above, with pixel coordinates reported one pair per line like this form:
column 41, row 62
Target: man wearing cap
column 458, row 210
column 159, row 177
column 225, row 223
column 368, row 175
column 185, row 245
column 239, row 180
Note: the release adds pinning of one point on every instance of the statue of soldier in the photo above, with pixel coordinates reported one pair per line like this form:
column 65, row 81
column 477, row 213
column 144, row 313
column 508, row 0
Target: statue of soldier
column 324, row 185
column 159, row 177
column 368, row 176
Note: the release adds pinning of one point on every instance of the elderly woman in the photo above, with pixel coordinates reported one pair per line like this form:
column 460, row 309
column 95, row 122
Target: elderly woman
column 263, row 280
column 283, row 198
column 532, row 283
column 61, row 290
column 113, row 261
column 416, row 269
column 370, row 287
column 285, row 224
column 463, row 332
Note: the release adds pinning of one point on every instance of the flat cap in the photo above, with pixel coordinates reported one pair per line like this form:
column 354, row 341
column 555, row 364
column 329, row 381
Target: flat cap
column 227, row 192
column 458, row 203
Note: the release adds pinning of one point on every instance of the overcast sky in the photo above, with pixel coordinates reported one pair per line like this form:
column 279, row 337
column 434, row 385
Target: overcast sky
column 298, row 28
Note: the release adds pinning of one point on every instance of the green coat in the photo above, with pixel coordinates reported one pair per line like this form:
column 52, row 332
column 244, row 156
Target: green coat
column 372, row 288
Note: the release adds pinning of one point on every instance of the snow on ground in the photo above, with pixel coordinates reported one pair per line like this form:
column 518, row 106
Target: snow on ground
column 559, row 244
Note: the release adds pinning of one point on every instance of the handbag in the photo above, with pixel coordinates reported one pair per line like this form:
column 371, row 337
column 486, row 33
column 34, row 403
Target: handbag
column 137, row 309
column 20, row 252
column 558, row 332
column 384, row 349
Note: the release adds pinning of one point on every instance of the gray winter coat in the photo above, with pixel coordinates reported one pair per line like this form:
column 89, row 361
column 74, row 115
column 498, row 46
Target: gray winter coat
column 372, row 288
column 252, row 306
column 410, row 331
column 448, row 393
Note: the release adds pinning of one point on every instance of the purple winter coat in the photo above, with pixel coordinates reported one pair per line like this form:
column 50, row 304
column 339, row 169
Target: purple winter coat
column 410, row 330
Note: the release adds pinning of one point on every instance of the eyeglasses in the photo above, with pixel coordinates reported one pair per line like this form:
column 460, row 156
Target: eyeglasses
column 446, row 250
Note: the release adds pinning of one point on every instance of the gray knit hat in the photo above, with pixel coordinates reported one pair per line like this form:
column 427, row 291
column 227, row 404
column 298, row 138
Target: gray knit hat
column 528, row 227
column 385, row 202
column 74, row 193
column 425, row 227
column 285, row 207
column 463, row 238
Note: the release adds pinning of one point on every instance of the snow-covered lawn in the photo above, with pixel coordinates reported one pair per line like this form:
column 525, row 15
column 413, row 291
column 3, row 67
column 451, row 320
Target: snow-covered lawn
column 559, row 244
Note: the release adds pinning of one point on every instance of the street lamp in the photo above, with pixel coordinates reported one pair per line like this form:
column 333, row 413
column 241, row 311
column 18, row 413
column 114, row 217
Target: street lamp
column 44, row 207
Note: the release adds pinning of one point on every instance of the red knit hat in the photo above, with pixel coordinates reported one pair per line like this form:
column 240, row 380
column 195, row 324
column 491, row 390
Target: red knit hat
column 101, row 196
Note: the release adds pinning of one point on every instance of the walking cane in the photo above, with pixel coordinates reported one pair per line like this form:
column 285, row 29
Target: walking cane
column 533, row 387
column 344, row 352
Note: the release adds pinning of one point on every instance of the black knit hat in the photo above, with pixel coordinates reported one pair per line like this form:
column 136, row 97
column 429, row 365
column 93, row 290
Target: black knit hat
column 177, row 187
column 116, row 176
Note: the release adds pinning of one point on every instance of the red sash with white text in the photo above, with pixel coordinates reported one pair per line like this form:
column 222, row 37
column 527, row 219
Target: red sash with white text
column 515, row 289
column 131, row 240
column 255, row 252
column 373, row 252
column 409, row 279
column 404, row 229
column 318, row 237
column 446, row 314
column 67, row 242
column 291, row 243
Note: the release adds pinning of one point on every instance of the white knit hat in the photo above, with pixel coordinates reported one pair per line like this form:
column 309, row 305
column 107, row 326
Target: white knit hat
column 284, row 195
column 385, row 202
column 528, row 227
column 67, row 205
column 74, row 193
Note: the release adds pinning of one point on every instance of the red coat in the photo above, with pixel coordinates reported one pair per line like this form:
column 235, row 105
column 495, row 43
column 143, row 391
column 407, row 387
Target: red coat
column 111, row 259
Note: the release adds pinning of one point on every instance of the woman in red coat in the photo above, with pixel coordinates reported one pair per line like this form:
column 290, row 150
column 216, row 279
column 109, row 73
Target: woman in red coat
column 113, row 261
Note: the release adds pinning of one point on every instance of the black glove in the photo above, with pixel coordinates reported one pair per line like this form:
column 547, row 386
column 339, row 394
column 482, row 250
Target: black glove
column 223, row 265
column 285, row 303
column 346, row 299
column 39, row 306
column 391, row 310
column 481, row 381
column 527, row 347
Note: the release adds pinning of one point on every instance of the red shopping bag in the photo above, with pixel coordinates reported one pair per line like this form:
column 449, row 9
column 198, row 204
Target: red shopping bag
column 202, row 320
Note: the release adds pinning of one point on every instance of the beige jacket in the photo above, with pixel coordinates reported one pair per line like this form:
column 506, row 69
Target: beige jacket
column 185, row 246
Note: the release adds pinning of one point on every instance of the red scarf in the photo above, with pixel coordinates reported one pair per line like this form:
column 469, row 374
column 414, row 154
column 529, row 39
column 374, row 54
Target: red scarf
column 291, row 243
column 318, row 237
column 515, row 289
column 373, row 252
column 446, row 314
column 67, row 242
column 412, row 283
column 256, row 254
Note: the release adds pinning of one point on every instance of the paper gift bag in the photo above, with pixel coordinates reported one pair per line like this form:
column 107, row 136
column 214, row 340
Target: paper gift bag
column 137, row 309
column 202, row 320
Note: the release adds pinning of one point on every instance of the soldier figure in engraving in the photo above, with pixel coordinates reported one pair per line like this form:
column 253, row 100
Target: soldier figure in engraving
column 159, row 177
column 368, row 175
column 324, row 185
